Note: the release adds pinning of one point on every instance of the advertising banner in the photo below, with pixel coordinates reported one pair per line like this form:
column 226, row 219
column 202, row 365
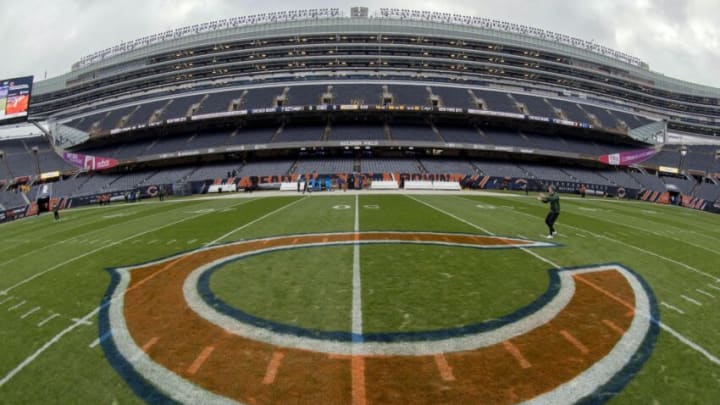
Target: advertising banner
column 89, row 162
column 629, row 157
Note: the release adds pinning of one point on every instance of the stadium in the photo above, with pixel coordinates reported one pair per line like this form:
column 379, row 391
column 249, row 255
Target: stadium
column 339, row 206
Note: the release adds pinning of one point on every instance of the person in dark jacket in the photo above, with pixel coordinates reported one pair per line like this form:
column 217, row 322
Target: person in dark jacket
column 56, row 211
column 554, row 199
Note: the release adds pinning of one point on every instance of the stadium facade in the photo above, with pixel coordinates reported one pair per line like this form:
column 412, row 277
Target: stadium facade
column 383, row 92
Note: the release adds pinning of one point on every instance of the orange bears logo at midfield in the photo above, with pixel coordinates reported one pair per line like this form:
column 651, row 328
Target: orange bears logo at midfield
column 172, row 339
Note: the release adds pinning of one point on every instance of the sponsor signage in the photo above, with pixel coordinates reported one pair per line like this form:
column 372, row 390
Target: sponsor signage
column 629, row 157
column 89, row 162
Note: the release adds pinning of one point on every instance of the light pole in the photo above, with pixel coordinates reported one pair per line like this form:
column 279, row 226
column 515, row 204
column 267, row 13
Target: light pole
column 36, row 161
column 683, row 153
column 7, row 165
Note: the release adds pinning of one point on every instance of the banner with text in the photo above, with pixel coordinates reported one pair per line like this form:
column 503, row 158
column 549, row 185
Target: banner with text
column 89, row 162
column 629, row 157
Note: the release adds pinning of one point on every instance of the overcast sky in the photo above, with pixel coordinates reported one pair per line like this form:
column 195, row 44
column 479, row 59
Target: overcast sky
column 677, row 38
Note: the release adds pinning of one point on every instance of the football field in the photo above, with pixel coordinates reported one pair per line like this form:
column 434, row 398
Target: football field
column 361, row 298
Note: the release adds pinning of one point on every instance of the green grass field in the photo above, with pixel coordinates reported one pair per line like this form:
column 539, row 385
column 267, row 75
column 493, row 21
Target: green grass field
column 53, row 277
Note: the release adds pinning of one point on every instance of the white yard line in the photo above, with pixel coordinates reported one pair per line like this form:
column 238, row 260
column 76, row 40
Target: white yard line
column 87, row 318
column 528, row 251
column 48, row 319
column 678, row 310
column 49, row 343
column 662, row 325
column 100, row 339
column 705, row 293
column 684, row 265
column 357, row 325
column 714, row 287
column 689, row 343
column 696, row 302
column 59, row 265
column 18, row 305
column 254, row 221
column 645, row 230
column 28, row 313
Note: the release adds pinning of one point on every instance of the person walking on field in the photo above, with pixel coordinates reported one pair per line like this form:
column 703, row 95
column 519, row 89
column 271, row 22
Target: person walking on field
column 554, row 199
column 56, row 211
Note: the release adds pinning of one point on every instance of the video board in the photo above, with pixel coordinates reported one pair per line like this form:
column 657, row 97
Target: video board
column 15, row 99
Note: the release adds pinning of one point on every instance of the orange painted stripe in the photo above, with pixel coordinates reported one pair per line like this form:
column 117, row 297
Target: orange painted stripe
column 272, row 368
column 512, row 349
column 606, row 293
column 612, row 326
column 295, row 241
column 150, row 343
column 573, row 340
column 150, row 277
column 445, row 370
column 195, row 366
column 325, row 240
column 359, row 396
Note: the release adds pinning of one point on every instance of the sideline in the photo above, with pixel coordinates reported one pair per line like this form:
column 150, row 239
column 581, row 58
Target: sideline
column 662, row 325
column 91, row 314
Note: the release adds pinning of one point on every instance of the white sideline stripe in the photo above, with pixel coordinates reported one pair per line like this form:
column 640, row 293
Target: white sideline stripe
column 253, row 222
column 100, row 339
column 29, row 312
column 709, row 285
column 704, row 293
column 46, row 320
column 678, row 310
column 57, row 266
column 75, row 239
column 12, row 308
column 531, row 253
column 662, row 325
column 357, row 325
column 698, row 303
column 686, row 266
column 87, row 317
column 82, row 321
column 690, row 343
column 49, row 343
column 668, row 235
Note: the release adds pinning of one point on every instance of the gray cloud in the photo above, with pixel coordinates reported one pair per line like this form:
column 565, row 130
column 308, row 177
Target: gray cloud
column 677, row 38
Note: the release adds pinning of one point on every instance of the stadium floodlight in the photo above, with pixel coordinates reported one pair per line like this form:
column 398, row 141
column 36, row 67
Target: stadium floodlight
column 683, row 153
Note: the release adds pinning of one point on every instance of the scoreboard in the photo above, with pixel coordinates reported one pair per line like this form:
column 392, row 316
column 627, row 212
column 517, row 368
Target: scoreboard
column 15, row 99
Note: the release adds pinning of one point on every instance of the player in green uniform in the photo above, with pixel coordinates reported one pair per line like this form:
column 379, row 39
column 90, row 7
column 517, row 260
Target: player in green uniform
column 554, row 199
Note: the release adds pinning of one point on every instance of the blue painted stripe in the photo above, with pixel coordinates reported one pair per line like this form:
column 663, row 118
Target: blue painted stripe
column 221, row 306
column 140, row 386
column 618, row 382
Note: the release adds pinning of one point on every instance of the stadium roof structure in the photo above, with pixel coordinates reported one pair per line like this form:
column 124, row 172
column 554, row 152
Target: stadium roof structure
column 326, row 44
